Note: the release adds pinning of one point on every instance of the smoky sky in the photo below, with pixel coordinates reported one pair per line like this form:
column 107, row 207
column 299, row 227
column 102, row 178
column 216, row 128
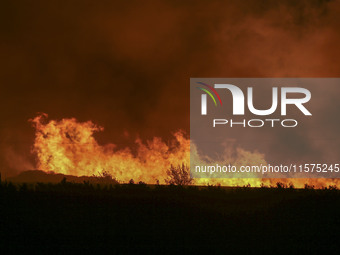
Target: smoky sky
column 126, row 65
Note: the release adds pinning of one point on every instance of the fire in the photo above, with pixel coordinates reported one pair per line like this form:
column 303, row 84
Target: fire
column 69, row 147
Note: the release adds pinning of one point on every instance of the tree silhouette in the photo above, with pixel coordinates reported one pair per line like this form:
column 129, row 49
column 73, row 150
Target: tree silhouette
column 179, row 175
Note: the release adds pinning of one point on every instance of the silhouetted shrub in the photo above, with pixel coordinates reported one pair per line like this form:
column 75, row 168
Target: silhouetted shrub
column 247, row 186
column 280, row 185
column 23, row 187
column 263, row 186
column 332, row 187
column 309, row 186
column 63, row 181
column 179, row 175
column 105, row 177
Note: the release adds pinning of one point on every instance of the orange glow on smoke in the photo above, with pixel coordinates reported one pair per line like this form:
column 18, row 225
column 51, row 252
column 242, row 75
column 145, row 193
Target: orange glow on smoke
column 68, row 147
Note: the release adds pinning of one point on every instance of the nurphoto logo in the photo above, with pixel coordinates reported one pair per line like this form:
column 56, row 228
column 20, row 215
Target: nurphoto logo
column 238, row 104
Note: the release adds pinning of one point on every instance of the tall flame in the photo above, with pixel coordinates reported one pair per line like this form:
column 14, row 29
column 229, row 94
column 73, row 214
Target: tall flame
column 68, row 146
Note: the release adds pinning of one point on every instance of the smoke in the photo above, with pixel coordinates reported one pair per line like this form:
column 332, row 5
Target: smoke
column 17, row 162
column 126, row 65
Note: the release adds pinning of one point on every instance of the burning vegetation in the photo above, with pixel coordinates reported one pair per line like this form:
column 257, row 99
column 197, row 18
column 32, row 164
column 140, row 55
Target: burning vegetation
column 68, row 147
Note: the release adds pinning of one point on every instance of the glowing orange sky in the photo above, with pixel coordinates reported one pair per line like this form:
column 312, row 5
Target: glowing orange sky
column 126, row 66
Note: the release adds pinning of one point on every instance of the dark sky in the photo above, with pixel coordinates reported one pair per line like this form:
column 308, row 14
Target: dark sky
column 126, row 65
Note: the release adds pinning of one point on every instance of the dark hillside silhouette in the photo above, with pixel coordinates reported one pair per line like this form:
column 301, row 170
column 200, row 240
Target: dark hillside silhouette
column 34, row 176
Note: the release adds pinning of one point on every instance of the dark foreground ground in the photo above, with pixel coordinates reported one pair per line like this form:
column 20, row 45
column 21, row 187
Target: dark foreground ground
column 66, row 217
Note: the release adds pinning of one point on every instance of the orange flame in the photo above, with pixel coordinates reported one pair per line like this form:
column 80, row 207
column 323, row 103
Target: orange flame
column 68, row 147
